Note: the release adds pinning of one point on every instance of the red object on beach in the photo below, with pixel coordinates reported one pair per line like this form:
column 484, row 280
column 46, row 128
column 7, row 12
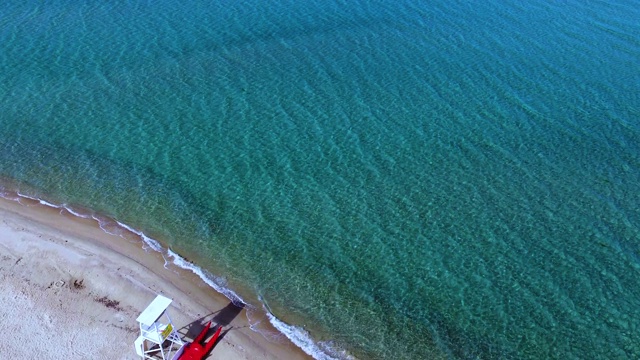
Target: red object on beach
column 195, row 350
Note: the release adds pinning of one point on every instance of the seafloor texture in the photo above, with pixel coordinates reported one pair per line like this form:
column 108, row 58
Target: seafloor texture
column 402, row 179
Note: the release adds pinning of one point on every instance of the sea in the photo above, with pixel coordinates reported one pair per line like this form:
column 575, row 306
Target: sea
column 380, row 179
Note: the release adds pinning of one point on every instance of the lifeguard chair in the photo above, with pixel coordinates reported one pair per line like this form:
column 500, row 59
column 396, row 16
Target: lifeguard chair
column 158, row 336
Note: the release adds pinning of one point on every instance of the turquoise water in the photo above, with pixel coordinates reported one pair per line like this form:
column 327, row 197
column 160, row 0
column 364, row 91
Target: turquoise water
column 397, row 179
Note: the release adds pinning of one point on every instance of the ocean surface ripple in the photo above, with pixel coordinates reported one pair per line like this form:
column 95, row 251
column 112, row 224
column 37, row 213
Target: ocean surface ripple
column 385, row 179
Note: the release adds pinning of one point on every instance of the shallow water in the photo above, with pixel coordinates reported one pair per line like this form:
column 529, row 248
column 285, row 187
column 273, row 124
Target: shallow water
column 402, row 180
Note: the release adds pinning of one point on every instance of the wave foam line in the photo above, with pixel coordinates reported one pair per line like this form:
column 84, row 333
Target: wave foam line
column 297, row 335
column 153, row 244
column 303, row 340
column 77, row 214
column 215, row 282
column 45, row 203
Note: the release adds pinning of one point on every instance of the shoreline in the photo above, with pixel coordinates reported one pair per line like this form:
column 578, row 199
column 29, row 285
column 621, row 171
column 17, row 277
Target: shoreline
column 55, row 261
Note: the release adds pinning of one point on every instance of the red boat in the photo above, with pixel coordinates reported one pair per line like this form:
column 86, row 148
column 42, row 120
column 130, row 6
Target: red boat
column 196, row 350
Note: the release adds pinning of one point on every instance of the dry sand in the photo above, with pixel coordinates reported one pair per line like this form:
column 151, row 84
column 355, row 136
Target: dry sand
column 72, row 291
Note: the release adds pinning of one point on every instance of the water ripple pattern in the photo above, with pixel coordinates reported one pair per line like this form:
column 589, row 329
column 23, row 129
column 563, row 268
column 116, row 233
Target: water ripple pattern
column 401, row 179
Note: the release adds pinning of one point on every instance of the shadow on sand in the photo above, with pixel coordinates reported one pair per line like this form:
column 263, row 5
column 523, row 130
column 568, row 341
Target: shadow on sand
column 220, row 318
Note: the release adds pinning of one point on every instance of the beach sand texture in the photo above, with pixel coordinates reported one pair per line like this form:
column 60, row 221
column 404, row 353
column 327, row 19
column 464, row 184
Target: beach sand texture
column 72, row 291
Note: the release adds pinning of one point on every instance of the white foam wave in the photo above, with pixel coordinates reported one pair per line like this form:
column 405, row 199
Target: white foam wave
column 215, row 282
column 43, row 202
column 49, row 204
column 153, row 244
column 303, row 340
column 27, row 196
column 75, row 213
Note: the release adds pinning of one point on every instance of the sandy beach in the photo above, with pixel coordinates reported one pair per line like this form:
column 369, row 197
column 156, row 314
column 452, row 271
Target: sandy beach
column 72, row 291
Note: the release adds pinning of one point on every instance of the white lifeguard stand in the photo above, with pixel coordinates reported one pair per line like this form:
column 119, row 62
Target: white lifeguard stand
column 154, row 333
